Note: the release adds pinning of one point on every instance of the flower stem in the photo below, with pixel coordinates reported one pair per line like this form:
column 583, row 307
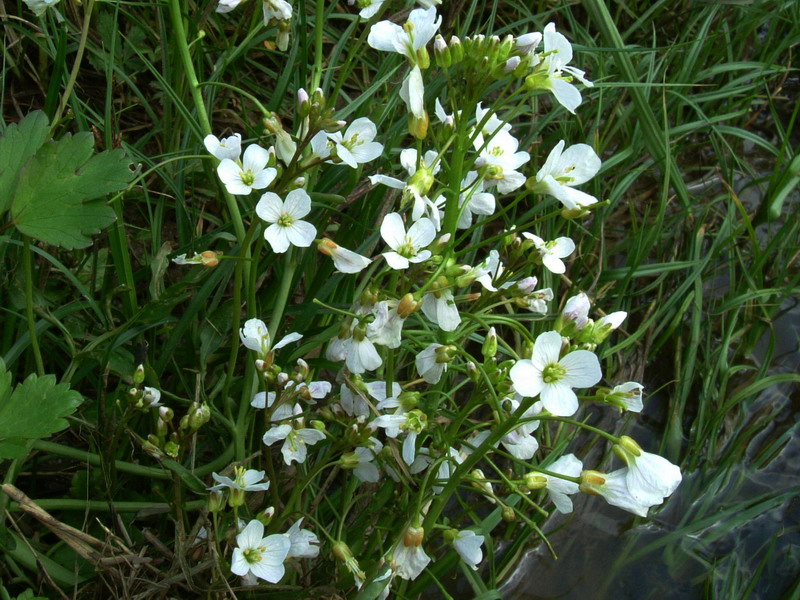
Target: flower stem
column 27, row 265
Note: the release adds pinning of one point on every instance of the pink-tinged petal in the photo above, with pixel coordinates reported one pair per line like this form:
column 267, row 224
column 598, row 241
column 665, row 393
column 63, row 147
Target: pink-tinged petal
column 301, row 234
column 277, row 238
column 559, row 399
column 583, row 369
column 526, row 378
column 255, row 158
column 393, row 232
column 269, row 208
column 546, row 349
column 264, row 178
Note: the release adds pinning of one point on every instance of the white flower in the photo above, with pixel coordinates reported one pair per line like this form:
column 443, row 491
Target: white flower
column 407, row 247
column 613, row 487
column 407, row 40
column 418, row 184
column 354, row 147
column 627, row 396
column 490, row 127
column 444, row 118
column 365, row 470
column 468, row 545
column 361, row 353
column 551, row 66
column 417, row 32
column 255, row 336
column 244, row 481
column 40, row 6
column 559, row 489
column 552, row 378
column 252, row 174
column 259, row 555
column 151, row 397
column 286, row 227
column 428, row 365
column 441, row 309
column 345, row 260
column 226, row 6
column 552, row 252
column 576, row 311
column 280, row 10
column 502, row 160
column 528, row 42
column 650, row 478
column 474, row 201
column 387, row 328
column 229, row 147
column 409, row 558
column 295, row 439
column 520, row 442
column 304, row 543
column 369, row 8
column 563, row 170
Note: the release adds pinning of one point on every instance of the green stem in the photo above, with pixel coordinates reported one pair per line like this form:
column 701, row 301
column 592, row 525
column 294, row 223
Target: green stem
column 319, row 30
column 197, row 96
column 28, row 266
column 76, row 66
column 290, row 265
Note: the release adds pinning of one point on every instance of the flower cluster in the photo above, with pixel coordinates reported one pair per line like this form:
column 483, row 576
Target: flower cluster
column 450, row 370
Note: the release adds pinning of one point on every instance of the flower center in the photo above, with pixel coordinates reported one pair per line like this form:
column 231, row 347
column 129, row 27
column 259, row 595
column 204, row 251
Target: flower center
column 248, row 178
column 285, row 220
column 253, row 555
column 407, row 249
column 553, row 373
column 239, row 479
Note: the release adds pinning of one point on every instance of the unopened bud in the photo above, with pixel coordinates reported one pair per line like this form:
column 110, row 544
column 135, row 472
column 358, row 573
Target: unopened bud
column 509, row 516
column 413, row 537
column 418, row 126
column 265, row 516
column 489, row 348
column 199, row 416
column 210, row 258
column 535, row 481
column 407, row 306
column 456, row 50
column 441, row 52
column 591, row 481
column 138, row 375
column 216, row 501
column 472, row 371
column 303, row 104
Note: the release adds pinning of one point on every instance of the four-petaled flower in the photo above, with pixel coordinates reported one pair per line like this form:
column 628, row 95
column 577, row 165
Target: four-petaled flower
column 286, row 228
column 252, row 174
column 563, row 170
column 552, row 378
column 407, row 247
column 259, row 555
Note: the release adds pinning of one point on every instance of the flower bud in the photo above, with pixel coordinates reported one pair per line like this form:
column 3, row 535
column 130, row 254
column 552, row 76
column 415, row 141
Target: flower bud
column 319, row 426
column 509, row 516
column 210, row 258
column 265, row 516
column 172, row 448
column 349, row 461
column 472, row 372
column 489, row 348
column 423, row 58
column 591, row 481
column 408, row 400
column 199, row 415
column 445, row 354
column 216, row 501
column 407, row 306
column 303, row 104
column 535, row 481
column 138, row 375
column 418, row 126
column 441, row 52
column 165, row 413
column 456, row 50
column 413, row 537
column 627, row 449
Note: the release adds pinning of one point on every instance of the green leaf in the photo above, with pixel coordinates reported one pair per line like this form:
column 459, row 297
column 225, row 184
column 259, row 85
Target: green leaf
column 20, row 142
column 36, row 408
column 56, row 198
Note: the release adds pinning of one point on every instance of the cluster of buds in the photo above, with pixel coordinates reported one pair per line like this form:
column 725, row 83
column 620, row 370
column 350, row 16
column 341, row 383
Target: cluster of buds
column 315, row 109
column 574, row 323
column 479, row 54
